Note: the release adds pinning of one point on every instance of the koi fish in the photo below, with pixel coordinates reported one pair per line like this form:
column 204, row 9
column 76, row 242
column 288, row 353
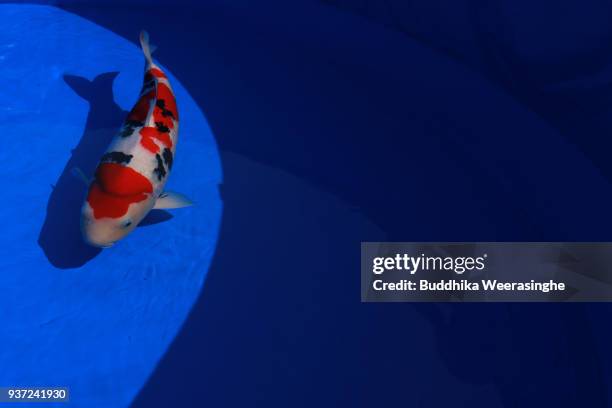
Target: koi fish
column 130, row 177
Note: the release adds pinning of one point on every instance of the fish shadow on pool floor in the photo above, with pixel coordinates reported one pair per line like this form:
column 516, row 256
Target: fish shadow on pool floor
column 60, row 236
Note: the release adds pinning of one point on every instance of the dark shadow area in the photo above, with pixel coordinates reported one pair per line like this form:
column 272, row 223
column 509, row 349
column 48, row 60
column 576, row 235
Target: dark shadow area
column 60, row 236
column 560, row 71
column 155, row 217
column 266, row 343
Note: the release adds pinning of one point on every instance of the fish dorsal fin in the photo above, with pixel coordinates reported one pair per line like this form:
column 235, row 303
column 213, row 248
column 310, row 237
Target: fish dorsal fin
column 147, row 50
column 150, row 120
column 168, row 200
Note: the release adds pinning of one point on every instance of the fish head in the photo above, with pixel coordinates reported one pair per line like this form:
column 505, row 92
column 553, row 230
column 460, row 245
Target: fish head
column 119, row 198
column 105, row 232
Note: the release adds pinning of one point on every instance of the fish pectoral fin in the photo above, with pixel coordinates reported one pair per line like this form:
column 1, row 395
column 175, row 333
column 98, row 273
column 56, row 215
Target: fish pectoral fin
column 168, row 200
column 78, row 173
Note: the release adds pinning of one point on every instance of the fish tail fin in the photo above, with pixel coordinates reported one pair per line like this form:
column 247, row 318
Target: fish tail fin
column 147, row 48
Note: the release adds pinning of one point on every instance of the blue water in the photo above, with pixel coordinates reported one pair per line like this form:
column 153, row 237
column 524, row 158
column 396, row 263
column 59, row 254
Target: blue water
column 96, row 321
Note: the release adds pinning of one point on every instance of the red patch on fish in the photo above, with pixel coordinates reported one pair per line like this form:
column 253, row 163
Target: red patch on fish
column 141, row 109
column 115, row 188
column 163, row 137
column 157, row 73
column 107, row 205
column 146, row 140
column 158, row 117
column 165, row 93
column 147, row 134
column 121, row 180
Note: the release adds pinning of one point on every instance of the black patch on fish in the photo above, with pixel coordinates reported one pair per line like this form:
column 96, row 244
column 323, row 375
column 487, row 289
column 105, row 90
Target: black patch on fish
column 167, row 153
column 161, row 104
column 148, row 84
column 134, row 123
column 162, row 128
column 116, row 157
column 130, row 126
column 160, row 169
column 126, row 132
